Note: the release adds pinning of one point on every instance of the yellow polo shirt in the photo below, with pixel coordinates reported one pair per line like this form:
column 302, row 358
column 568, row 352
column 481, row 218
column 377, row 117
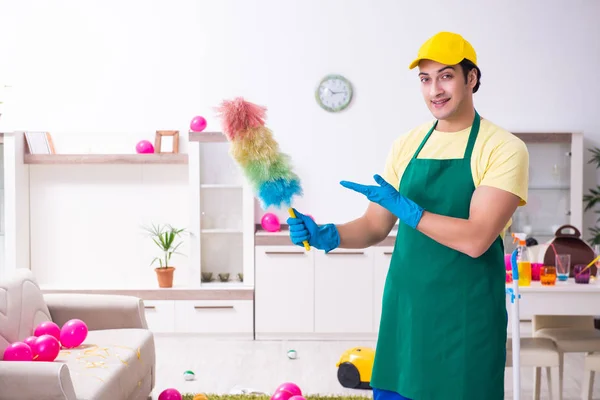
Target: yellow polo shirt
column 500, row 159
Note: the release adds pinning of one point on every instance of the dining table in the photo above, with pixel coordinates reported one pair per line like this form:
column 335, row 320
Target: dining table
column 562, row 298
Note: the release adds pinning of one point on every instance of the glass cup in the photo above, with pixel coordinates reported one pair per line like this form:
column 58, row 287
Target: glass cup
column 563, row 266
column 581, row 277
column 548, row 275
column 536, row 269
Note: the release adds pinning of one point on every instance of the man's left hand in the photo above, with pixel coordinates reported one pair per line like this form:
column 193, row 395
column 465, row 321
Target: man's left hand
column 388, row 197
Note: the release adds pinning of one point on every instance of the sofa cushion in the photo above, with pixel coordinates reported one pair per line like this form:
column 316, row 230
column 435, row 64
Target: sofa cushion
column 110, row 364
column 22, row 307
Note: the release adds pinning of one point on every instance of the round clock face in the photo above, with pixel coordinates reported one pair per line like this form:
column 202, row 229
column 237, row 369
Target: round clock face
column 334, row 93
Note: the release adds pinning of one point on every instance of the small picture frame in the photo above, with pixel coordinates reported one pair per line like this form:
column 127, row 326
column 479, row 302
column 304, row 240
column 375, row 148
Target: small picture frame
column 158, row 141
column 39, row 143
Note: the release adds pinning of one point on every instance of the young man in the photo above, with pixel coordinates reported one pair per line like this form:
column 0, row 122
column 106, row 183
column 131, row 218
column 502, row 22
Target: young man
column 454, row 184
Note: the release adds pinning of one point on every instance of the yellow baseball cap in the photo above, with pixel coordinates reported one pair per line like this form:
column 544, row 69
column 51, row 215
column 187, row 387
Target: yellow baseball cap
column 446, row 48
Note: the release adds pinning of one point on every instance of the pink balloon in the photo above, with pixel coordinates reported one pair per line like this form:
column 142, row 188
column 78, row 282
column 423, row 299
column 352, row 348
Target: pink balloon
column 270, row 222
column 47, row 328
column 18, row 351
column 170, row 394
column 31, row 340
column 73, row 333
column 281, row 395
column 297, row 398
column 198, row 124
column 291, row 388
column 144, row 147
column 45, row 348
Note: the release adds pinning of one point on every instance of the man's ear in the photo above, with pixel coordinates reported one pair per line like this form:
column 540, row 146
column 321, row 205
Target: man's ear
column 472, row 78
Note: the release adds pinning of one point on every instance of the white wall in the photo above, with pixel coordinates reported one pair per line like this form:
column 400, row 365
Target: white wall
column 100, row 75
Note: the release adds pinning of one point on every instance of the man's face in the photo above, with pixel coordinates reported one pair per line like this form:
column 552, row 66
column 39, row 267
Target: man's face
column 444, row 88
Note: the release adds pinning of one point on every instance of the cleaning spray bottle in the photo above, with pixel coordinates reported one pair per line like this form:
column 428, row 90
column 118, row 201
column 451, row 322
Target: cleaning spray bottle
column 523, row 259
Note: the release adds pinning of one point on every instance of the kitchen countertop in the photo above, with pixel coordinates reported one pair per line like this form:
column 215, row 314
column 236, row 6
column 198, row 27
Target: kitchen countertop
column 282, row 238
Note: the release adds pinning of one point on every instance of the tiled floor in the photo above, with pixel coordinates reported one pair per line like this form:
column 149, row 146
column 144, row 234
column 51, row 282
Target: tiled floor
column 224, row 365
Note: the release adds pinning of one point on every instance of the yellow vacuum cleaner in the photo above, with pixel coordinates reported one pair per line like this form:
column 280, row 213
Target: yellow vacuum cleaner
column 355, row 368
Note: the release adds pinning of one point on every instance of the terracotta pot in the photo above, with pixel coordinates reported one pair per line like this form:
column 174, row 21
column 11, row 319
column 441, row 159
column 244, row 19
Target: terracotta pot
column 165, row 276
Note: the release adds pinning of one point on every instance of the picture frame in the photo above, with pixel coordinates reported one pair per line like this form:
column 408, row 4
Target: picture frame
column 158, row 142
column 39, row 143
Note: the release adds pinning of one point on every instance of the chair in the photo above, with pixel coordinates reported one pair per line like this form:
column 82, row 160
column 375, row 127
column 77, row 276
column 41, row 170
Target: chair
column 591, row 366
column 116, row 361
column 571, row 334
column 537, row 353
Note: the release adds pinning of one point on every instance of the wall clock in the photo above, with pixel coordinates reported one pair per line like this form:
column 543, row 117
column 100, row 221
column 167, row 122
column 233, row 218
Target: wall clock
column 334, row 93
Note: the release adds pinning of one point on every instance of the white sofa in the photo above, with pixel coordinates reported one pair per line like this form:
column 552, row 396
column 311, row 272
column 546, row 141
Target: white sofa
column 116, row 361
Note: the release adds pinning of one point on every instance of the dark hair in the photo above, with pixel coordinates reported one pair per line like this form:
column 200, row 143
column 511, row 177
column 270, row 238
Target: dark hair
column 467, row 66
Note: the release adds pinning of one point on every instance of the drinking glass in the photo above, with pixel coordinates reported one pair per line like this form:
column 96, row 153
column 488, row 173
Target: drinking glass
column 548, row 275
column 581, row 277
column 563, row 266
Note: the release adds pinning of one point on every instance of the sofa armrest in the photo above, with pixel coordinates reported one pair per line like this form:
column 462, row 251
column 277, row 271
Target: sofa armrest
column 98, row 311
column 35, row 380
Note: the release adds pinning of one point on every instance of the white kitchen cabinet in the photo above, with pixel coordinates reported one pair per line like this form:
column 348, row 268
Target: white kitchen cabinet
column 229, row 317
column 284, row 290
column 382, row 257
column 160, row 315
column 344, row 291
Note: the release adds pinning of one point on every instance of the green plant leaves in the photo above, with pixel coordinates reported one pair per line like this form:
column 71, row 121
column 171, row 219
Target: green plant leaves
column 164, row 236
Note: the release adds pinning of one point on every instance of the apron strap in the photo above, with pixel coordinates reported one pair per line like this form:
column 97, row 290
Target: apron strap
column 470, row 143
column 472, row 136
column 424, row 141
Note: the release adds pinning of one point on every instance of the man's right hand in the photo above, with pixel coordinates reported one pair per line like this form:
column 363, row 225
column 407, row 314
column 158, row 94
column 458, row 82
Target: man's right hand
column 324, row 237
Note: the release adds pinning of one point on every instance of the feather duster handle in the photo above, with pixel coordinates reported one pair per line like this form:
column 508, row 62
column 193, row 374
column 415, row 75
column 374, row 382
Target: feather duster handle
column 254, row 148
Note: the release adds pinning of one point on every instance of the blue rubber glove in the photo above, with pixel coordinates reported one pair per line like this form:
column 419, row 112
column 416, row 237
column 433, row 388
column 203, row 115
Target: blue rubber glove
column 324, row 237
column 388, row 197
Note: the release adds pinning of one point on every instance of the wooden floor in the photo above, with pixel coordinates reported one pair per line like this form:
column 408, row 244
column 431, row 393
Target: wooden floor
column 225, row 365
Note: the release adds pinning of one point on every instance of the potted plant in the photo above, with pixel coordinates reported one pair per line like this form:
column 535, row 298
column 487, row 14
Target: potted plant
column 165, row 238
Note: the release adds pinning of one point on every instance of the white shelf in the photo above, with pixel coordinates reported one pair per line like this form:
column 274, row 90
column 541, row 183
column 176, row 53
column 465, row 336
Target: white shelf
column 222, row 231
column 235, row 284
column 222, row 239
column 220, row 186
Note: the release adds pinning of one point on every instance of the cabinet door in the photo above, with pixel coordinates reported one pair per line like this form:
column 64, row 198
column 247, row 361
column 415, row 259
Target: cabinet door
column 344, row 291
column 160, row 315
column 383, row 256
column 284, row 290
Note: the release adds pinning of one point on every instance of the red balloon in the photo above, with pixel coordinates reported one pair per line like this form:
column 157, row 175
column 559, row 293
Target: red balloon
column 30, row 341
column 73, row 333
column 198, row 124
column 47, row 328
column 170, row 394
column 290, row 387
column 45, row 348
column 17, row 351
column 281, row 395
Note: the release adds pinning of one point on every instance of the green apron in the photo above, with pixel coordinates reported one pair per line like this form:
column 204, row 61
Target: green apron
column 443, row 327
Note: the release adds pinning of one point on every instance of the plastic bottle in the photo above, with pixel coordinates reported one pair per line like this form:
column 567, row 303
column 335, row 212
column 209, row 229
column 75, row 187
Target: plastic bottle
column 523, row 259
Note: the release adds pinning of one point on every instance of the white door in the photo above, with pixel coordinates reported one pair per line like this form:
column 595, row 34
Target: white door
column 284, row 290
column 344, row 291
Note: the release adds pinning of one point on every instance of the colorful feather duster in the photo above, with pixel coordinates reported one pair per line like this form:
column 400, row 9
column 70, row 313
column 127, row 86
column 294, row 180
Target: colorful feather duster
column 254, row 148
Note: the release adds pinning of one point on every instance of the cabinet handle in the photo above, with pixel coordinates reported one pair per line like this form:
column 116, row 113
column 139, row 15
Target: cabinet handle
column 208, row 307
column 344, row 253
column 284, row 252
column 388, row 253
column 150, row 307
